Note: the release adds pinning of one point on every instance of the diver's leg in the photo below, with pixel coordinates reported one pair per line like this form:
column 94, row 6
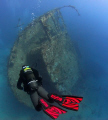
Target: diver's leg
column 34, row 99
column 42, row 92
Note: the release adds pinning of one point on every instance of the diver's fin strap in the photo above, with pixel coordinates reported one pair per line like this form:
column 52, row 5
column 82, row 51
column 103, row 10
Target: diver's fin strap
column 56, row 98
column 51, row 110
column 66, row 101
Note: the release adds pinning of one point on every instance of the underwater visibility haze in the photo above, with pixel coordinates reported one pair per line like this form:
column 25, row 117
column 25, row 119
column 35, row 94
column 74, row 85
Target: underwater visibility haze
column 87, row 26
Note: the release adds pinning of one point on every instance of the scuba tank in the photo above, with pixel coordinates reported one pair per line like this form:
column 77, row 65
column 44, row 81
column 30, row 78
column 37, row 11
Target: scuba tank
column 32, row 83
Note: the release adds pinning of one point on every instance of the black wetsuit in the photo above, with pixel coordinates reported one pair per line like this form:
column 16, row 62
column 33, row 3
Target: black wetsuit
column 25, row 79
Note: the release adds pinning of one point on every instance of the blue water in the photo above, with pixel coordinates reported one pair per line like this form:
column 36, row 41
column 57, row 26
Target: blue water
column 90, row 30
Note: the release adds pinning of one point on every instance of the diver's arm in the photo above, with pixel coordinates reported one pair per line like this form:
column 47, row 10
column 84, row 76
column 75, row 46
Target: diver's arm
column 19, row 84
column 20, row 81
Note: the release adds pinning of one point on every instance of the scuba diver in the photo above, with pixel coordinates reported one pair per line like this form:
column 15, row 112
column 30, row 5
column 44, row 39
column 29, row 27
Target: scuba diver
column 41, row 99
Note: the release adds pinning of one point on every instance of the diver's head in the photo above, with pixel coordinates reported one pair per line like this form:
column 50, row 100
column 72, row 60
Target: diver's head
column 25, row 66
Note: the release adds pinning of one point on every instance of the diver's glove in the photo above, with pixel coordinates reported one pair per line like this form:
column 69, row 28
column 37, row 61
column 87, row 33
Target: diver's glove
column 20, row 87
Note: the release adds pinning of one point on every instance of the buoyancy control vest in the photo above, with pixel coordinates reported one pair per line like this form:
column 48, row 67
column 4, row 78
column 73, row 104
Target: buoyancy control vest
column 32, row 83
